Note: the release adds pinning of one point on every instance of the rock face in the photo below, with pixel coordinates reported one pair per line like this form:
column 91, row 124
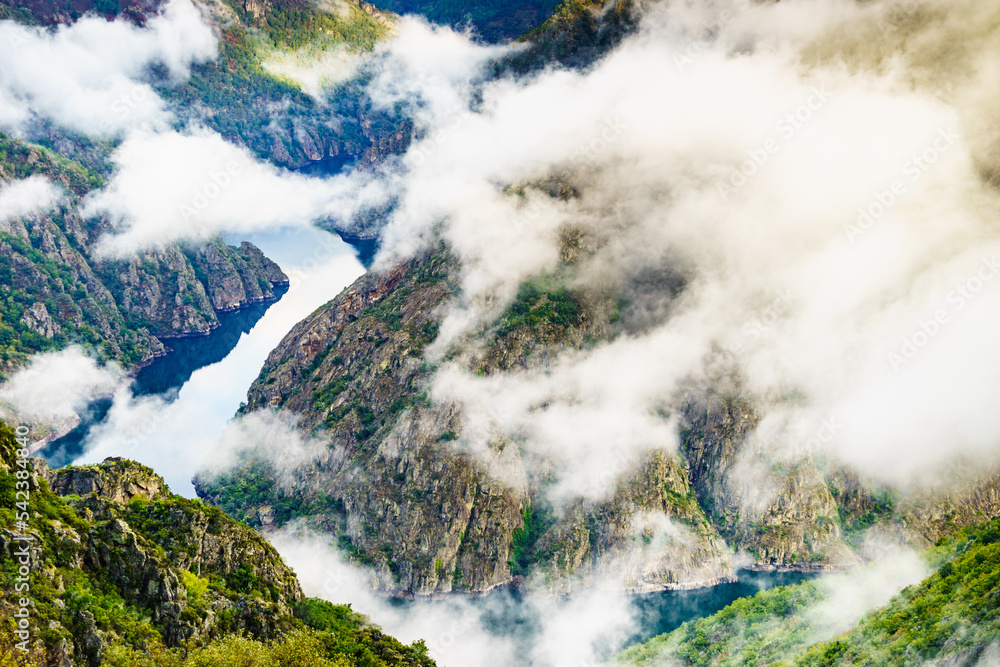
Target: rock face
column 195, row 572
column 37, row 319
column 56, row 291
column 435, row 503
column 236, row 277
column 936, row 513
column 238, row 97
column 121, row 571
column 407, row 495
column 781, row 516
column 118, row 480
column 576, row 34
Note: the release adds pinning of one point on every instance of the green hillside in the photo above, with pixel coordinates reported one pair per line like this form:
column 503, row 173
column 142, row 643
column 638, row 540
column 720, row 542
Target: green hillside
column 953, row 616
column 121, row 572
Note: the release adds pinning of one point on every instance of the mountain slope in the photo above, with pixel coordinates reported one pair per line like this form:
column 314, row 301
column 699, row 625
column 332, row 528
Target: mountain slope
column 399, row 484
column 238, row 97
column 408, row 487
column 491, row 20
column 952, row 617
column 57, row 292
column 122, row 572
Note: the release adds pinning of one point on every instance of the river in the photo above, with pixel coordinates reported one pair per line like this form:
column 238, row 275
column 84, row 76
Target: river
column 174, row 411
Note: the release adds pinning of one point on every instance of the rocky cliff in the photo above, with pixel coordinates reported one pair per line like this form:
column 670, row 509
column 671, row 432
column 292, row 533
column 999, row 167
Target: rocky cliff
column 56, row 292
column 240, row 98
column 121, row 571
column 434, row 506
column 402, row 488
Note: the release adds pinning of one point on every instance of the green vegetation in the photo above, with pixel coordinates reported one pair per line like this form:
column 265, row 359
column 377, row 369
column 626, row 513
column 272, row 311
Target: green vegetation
column 390, row 310
column 66, row 299
column 577, row 33
column 524, row 546
column 883, row 506
column 21, row 160
column 764, row 629
column 325, row 397
column 32, row 272
column 353, row 646
column 292, row 650
column 351, row 634
column 954, row 611
column 244, row 95
column 534, row 307
column 296, row 24
column 249, row 486
column 492, row 20
column 91, row 576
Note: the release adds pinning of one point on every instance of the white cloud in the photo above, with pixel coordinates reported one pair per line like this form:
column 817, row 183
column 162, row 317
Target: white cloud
column 848, row 597
column 313, row 72
column 56, row 386
column 170, row 186
column 27, row 196
column 459, row 631
column 428, row 68
column 749, row 165
column 268, row 435
column 92, row 76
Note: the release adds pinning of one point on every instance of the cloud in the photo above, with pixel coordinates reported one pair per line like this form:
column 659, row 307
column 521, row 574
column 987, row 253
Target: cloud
column 314, row 73
column 267, row 435
column 56, row 386
column 459, row 631
column 339, row 7
column 174, row 434
column 172, row 186
column 27, row 196
column 753, row 150
column 93, row 76
column 848, row 597
column 429, row 69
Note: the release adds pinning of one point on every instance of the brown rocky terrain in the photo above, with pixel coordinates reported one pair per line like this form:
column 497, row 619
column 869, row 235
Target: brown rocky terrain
column 433, row 513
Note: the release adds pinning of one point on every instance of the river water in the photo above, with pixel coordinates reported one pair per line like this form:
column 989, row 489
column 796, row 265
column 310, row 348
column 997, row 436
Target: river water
column 172, row 414
column 504, row 614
